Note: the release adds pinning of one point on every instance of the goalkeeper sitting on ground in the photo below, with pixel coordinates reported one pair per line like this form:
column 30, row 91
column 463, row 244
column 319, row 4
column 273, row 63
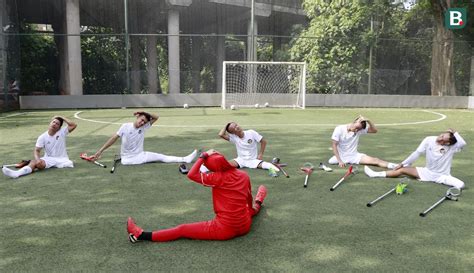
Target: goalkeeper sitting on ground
column 232, row 199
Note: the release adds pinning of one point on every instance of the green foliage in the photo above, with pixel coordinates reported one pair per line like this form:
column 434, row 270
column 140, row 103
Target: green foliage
column 264, row 49
column 207, row 63
column 464, row 50
column 337, row 42
column 337, row 35
column 103, row 61
column 38, row 57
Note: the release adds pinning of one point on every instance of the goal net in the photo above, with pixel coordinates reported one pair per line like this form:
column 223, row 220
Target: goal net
column 263, row 84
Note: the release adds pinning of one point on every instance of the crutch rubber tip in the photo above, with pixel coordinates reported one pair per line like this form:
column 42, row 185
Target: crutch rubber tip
column 369, row 205
column 305, row 186
column 422, row 214
column 105, row 166
column 331, row 189
column 111, row 171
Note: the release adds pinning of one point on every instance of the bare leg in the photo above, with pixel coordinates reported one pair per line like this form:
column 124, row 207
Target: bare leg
column 410, row 171
column 368, row 160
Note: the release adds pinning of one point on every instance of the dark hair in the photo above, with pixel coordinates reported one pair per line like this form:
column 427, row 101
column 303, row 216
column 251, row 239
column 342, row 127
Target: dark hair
column 228, row 125
column 146, row 115
column 364, row 124
column 60, row 121
column 452, row 139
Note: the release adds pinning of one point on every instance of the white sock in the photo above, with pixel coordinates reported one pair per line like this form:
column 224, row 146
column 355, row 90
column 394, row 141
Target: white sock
column 15, row 174
column 368, row 171
column 25, row 170
column 267, row 166
column 391, row 165
column 189, row 158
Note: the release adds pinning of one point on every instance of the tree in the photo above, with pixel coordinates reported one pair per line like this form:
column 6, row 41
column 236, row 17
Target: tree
column 335, row 45
column 446, row 66
column 442, row 66
column 103, row 61
column 38, row 56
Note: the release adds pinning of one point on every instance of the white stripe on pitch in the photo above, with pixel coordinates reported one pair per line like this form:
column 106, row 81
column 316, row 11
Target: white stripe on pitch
column 441, row 117
column 14, row 115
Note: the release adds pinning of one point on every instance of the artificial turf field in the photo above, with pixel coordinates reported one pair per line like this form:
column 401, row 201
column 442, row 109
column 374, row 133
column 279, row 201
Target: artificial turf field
column 62, row 220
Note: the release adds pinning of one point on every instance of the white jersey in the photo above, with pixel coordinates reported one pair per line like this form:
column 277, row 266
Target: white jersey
column 55, row 145
column 132, row 138
column 438, row 157
column 247, row 146
column 347, row 141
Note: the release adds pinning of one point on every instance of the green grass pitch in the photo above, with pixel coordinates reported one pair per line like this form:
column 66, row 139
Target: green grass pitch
column 62, row 220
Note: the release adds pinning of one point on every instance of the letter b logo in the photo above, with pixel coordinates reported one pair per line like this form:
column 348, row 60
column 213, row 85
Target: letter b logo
column 455, row 18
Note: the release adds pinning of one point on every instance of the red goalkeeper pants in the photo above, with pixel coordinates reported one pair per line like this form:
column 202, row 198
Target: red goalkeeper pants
column 207, row 230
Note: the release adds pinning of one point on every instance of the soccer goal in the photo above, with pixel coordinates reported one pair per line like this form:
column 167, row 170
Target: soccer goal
column 263, row 84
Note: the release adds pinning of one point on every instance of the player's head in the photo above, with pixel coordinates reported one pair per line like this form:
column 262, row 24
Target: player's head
column 216, row 162
column 359, row 124
column 56, row 123
column 142, row 119
column 233, row 128
column 446, row 138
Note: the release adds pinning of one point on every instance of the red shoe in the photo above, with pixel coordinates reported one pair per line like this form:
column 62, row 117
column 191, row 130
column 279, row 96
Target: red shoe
column 133, row 230
column 261, row 194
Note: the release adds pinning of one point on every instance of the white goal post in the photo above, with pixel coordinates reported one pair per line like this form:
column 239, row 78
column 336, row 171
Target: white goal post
column 263, row 84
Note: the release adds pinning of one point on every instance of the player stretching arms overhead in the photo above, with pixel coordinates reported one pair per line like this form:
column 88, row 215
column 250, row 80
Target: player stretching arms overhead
column 53, row 142
column 133, row 136
column 247, row 150
column 345, row 140
column 439, row 151
column 232, row 199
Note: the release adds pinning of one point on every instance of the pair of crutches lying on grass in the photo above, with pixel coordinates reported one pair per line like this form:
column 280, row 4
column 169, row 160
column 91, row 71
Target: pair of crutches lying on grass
column 451, row 194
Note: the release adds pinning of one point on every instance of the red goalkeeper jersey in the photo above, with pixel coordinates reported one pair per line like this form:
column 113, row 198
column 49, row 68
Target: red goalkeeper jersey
column 231, row 190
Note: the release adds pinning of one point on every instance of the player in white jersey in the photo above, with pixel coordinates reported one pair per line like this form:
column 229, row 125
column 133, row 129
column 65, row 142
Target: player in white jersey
column 53, row 142
column 133, row 136
column 246, row 141
column 439, row 153
column 345, row 140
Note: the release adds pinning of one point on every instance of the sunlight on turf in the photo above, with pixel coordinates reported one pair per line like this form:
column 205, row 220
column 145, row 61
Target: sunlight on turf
column 34, row 203
column 36, row 241
column 7, row 261
column 281, row 266
column 22, row 201
column 187, row 206
column 102, row 200
column 283, row 212
column 467, row 258
column 365, row 262
column 343, row 220
column 325, row 253
column 50, row 222
column 414, row 237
